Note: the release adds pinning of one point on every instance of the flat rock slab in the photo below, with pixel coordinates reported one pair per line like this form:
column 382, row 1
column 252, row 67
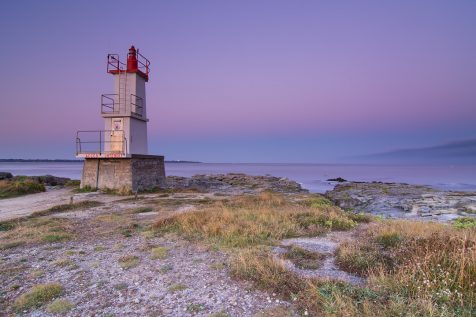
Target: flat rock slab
column 327, row 246
column 397, row 200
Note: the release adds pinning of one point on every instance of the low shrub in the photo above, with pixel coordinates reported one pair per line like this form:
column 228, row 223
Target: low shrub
column 465, row 223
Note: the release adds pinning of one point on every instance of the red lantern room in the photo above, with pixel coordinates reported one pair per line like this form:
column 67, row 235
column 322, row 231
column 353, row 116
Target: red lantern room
column 136, row 63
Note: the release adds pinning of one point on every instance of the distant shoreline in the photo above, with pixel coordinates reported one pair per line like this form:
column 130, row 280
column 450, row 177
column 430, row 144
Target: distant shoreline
column 69, row 161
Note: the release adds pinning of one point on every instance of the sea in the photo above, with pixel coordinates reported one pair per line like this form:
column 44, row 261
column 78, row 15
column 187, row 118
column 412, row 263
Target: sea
column 313, row 177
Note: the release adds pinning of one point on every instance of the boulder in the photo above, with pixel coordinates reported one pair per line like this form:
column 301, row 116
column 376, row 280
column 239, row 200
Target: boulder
column 5, row 175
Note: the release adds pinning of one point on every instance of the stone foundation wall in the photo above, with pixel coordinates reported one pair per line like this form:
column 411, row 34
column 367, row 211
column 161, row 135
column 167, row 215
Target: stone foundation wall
column 140, row 172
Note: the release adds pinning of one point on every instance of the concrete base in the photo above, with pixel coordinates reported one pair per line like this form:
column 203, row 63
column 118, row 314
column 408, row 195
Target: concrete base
column 135, row 173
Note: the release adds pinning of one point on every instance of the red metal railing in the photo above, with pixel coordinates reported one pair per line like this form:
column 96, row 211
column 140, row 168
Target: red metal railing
column 115, row 65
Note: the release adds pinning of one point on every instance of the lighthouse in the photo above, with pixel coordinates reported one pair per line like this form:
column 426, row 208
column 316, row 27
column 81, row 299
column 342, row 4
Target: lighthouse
column 117, row 157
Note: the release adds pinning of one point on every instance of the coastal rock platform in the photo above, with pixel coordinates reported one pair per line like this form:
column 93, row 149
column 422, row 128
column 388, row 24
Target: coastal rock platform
column 399, row 200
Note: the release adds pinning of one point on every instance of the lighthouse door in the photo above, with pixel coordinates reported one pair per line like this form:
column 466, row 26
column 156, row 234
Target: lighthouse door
column 117, row 136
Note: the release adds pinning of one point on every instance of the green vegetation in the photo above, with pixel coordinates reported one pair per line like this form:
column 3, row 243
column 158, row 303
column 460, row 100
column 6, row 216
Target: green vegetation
column 19, row 187
column 129, row 261
column 37, row 296
column 465, row 223
column 36, row 230
column 425, row 267
column 59, row 306
column 412, row 268
column 159, row 253
column 195, row 308
column 85, row 189
column 304, row 259
column 65, row 262
column 254, row 220
column 73, row 183
column 176, row 288
column 142, row 210
column 68, row 207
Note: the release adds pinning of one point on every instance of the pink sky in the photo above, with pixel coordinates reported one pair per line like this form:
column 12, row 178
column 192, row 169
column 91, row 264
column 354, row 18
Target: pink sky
column 343, row 78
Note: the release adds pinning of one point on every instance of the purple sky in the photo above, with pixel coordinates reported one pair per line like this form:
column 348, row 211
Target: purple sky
column 244, row 81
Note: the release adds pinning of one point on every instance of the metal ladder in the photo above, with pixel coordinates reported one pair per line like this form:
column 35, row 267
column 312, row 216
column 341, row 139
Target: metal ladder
column 122, row 92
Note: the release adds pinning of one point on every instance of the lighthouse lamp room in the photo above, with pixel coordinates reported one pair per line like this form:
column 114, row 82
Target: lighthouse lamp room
column 117, row 157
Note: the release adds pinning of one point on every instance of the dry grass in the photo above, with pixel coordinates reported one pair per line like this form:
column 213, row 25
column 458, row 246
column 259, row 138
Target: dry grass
column 59, row 306
column 431, row 265
column 114, row 223
column 413, row 268
column 19, row 187
column 36, row 230
column 255, row 220
column 304, row 259
column 68, row 207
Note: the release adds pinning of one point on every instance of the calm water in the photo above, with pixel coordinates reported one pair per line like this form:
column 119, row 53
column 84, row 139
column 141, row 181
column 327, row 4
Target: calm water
column 311, row 176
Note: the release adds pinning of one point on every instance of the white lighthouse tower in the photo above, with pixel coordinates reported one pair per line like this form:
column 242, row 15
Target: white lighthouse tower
column 117, row 156
column 124, row 112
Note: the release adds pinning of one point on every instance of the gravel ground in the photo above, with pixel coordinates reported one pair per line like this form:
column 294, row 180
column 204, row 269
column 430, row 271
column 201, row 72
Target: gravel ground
column 191, row 280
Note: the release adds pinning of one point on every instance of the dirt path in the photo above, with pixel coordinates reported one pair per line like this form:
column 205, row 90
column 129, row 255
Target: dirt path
column 12, row 208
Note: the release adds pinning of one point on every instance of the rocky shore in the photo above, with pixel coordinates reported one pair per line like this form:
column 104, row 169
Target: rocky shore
column 235, row 183
column 398, row 200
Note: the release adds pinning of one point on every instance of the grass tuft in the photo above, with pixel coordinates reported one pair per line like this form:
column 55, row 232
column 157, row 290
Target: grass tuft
column 304, row 259
column 176, row 288
column 159, row 253
column 129, row 261
column 59, row 306
column 37, row 296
